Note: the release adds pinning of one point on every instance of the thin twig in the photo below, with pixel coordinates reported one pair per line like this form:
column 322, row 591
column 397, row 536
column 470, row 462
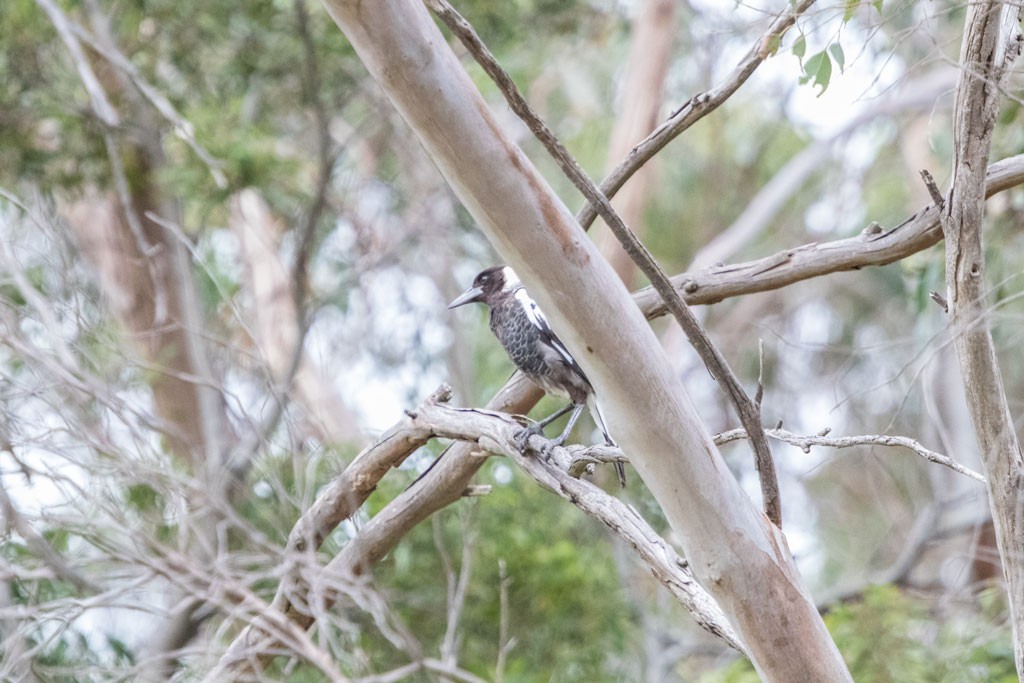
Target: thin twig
column 505, row 643
column 101, row 106
column 748, row 410
column 697, row 107
column 325, row 158
column 581, row 456
column 805, row 442
column 933, row 189
column 181, row 126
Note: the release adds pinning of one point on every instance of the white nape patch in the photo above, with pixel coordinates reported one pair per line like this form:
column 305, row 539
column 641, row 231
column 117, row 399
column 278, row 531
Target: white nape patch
column 533, row 312
column 512, row 280
column 536, row 317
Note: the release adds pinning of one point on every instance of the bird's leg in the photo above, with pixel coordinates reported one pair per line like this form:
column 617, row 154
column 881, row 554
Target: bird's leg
column 577, row 411
column 538, row 427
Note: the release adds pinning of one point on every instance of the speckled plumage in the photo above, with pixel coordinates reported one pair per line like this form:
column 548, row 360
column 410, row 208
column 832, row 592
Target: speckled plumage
column 533, row 346
column 536, row 350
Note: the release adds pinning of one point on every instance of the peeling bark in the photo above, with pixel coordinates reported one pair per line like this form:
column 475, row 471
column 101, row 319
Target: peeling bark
column 992, row 40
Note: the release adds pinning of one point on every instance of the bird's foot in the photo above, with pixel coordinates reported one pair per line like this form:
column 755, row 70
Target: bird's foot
column 523, row 437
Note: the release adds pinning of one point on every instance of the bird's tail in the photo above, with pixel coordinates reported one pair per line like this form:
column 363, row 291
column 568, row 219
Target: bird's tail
column 595, row 410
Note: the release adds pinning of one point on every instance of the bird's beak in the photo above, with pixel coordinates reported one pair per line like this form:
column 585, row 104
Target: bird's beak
column 469, row 296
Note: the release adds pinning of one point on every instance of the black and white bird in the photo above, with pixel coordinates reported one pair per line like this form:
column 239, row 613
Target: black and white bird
column 533, row 346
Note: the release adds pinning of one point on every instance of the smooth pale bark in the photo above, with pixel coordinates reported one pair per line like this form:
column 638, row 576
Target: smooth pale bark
column 742, row 560
column 992, row 39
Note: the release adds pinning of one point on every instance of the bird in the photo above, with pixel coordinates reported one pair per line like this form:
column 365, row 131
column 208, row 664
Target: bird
column 523, row 330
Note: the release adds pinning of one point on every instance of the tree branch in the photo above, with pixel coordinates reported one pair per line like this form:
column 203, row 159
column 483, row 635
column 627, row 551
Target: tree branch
column 697, row 107
column 476, row 429
column 805, row 442
column 101, row 106
column 583, row 456
column 992, row 39
column 874, row 246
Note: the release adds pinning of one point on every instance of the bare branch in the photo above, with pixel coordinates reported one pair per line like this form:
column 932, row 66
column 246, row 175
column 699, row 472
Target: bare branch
column 402, row 673
column 181, row 126
column 505, row 641
column 497, row 433
column 581, row 456
column 697, row 107
column 356, row 482
column 774, row 195
column 325, row 156
column 805, row 442
column 458, row 583
column 40, row 547
column 97, row 96
column 933, row 189
column 279, row 329
column 874, row 246
column 481, row 430
column 992, row 39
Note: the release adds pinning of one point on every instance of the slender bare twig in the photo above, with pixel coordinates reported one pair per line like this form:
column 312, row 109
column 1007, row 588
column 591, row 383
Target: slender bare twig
column 101, row 106
column 581, row 456
column 325, row 158
column 805, row 442
column 697, row 107
column 40, row 547
column 352, row 487
column 181, row 126
column 749, row 412
column 505, row 642
column 403, row 673
column 458, row 584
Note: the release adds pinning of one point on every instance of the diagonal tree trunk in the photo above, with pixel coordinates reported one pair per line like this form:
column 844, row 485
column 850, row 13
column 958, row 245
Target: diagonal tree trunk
column 741, row 558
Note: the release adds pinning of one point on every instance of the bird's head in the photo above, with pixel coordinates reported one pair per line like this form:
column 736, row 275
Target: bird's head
column 487, row 285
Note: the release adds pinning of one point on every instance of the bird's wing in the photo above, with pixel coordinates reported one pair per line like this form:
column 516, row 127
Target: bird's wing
column 547, row 334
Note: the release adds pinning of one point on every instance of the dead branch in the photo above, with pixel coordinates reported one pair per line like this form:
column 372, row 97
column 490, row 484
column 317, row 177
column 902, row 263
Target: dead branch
column 992, row 40
column 582, row 456
column 697, row 107
column 874, row 246
column 479, row 430
column 101, row 106
column 805, row 442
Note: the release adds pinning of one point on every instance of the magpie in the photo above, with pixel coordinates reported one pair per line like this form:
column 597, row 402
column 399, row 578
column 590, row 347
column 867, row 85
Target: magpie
column 533, row 346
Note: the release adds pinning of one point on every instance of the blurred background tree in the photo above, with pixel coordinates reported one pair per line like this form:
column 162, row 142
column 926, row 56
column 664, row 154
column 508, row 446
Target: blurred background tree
column 224, row 268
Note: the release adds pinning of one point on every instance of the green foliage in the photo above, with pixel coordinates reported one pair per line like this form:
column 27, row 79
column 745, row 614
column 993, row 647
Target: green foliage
column 818, row 68
column 565, row 607
column 889, row 637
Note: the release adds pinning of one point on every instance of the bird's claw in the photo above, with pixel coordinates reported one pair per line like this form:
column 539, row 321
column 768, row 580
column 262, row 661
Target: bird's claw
column 524, row 434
